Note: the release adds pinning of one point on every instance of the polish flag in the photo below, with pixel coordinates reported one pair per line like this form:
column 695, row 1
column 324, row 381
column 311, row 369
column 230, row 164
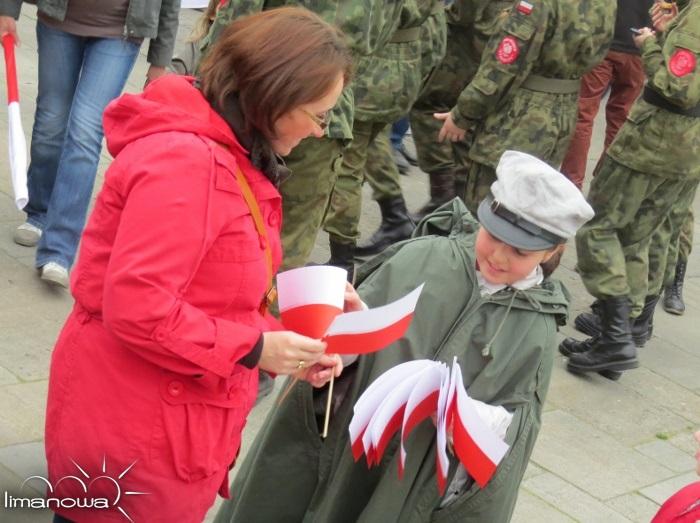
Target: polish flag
column 371, row 330
column 525, row 7
column 310, row 298
column 17, row 142
column 478, row 448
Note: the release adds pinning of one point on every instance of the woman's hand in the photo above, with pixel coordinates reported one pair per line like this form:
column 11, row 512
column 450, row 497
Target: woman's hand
column 352, row 299
column 644, row 33
column 320, row 373
column 286, row 352
column 154, row 71
column 660, row 17
column 449, row 130
column 8, row 25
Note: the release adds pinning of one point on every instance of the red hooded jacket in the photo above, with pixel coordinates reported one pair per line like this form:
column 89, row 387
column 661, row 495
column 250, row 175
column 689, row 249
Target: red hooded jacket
column 171, row 272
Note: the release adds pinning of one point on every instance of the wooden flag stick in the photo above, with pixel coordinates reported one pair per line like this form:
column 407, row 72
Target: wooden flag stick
column 328, row 407
column 286, row 391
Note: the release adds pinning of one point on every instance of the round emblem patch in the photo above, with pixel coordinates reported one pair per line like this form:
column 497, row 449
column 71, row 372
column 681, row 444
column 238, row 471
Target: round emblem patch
column 508, row 50
column 682, row 62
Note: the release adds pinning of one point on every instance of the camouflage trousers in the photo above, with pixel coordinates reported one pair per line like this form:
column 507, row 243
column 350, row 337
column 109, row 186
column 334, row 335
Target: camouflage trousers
column 343, row 218
column 671, row 242
column 380, row 170
column 479, row 182
column 306, row 195
column 613, row 248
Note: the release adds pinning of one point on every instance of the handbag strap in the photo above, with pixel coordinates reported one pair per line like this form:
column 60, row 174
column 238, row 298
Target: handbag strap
column 252, row 203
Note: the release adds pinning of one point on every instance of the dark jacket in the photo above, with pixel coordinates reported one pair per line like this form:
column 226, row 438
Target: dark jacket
column 630, row 13
column 505, row 344
column 154, row 19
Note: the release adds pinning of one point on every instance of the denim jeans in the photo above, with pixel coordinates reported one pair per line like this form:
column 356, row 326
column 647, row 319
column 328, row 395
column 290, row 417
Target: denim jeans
column 398, row 130
column 78, row 77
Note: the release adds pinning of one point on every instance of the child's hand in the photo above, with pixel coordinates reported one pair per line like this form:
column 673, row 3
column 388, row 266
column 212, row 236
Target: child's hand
column 352, row 300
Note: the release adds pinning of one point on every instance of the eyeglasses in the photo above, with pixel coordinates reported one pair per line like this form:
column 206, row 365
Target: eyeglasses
column 322, row 121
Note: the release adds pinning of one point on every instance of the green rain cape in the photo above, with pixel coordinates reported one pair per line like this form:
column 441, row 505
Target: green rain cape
column 505, row 344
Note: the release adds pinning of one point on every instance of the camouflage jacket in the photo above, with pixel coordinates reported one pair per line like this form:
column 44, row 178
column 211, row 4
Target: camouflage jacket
column 387, row 83
column 368, row 26
column 560, row 39
column 654, row 140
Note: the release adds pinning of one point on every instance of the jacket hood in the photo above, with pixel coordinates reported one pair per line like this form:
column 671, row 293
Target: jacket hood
column 170, row 103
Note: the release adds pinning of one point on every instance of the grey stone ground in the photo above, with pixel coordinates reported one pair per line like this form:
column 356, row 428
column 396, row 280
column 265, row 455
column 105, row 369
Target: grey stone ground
column 607, row 452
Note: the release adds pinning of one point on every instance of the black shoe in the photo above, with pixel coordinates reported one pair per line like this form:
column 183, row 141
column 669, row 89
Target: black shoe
column 571, row 346
column 408, row 155
column 396, row 226
column 401, row 163
column 442, row 190
column 613, row 349
column 642, row 326
column 673, row 294
column 343, row 256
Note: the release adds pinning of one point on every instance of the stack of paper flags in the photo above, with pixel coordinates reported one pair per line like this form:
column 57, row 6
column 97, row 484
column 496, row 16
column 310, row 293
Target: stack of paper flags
column 407, row 394
column 17, row 143
column 311, row 303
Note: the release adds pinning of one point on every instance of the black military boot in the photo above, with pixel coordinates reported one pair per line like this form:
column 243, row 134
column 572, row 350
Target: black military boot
column 642, row 326
column 343, row 256
column 442, row 190
column 673, row 293
column 571, row 346
column 614, row 348
column 396, row 226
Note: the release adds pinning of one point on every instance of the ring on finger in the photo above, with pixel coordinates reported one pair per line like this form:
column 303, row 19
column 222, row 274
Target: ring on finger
column 301, row 364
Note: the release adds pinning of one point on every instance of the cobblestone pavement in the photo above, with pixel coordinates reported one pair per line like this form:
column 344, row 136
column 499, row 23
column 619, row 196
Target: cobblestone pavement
column 608, row 451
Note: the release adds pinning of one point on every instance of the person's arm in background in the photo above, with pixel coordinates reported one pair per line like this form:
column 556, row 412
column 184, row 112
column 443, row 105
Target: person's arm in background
column 160, row 48
column 9, row 13
column 228, row 11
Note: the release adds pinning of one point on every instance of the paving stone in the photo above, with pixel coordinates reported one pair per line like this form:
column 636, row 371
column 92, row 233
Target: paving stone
column 532, row 470
column 685, row 441
column 24, row 459
column 634, row 507
column 6, row 377
column 613, row 407
column 677, row 364
column 571, row 500
column 530, row 508
column 22, row 415
column 661, row 491
column 592, row 460
column 667, row 455
column 28, row 357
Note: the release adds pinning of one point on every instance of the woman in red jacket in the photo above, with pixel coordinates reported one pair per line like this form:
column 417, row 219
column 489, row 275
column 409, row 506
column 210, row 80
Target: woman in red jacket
column 156, row 368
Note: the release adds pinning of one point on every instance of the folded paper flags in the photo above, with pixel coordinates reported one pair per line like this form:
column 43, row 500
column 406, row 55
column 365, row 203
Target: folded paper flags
column 17, row 142
column 406, row 395
column 311, row 303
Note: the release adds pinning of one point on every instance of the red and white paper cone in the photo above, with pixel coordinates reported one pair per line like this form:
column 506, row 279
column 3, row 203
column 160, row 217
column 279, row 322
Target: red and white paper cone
column 17, row 142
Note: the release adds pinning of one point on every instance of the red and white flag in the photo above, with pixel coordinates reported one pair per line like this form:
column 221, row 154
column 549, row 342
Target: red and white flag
column 17, row 142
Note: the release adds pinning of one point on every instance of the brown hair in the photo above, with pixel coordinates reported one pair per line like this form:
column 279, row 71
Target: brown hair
column 274, row 61
column 203, row 23
column 551, row 265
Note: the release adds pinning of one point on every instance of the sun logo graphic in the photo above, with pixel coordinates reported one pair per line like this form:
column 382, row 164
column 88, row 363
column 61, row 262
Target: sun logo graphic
column 83, row 494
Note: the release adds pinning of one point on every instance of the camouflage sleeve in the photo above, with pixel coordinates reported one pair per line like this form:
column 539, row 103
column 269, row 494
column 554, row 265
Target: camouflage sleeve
column 507, row 60
column 673, row 69
column 224, row 15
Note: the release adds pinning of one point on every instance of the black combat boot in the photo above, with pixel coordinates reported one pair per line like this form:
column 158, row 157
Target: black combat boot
column 673, row 294
column 396, row 226
column 343, row 256
column 442, row 190
column 642, row 326
column 614, row 348
column 570, row 346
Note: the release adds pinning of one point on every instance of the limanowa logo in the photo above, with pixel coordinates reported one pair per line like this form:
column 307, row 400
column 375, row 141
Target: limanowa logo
column 55, row 501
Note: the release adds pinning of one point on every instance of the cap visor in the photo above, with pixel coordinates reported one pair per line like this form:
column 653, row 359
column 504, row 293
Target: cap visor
column 508, row 232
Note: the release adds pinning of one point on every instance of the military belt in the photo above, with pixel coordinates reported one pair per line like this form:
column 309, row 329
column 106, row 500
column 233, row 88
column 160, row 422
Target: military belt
column 654, row 98
column 543, row 84
column 401, row 36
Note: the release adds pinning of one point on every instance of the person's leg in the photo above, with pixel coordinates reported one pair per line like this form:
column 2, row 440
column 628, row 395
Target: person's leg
column 626, row 84
column 593, row 87
column 382, row 175
column 306, row 196
column 398, row 131
column 673, row 255
column 106, row 65
column 60, row 59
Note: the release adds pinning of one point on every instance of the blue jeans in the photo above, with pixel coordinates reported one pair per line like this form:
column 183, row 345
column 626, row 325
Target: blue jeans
column 398, row 130
column 78, row 77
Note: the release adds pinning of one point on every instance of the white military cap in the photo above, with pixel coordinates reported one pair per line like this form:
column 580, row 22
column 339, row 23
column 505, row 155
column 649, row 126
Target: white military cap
column 532, row 206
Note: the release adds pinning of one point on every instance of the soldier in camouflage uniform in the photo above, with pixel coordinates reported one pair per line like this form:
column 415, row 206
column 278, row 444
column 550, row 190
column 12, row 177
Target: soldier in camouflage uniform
column 314, row 163
column 676, row 264
column 653, row 164
column 470, row 24
column 386, row 84
column 524, row 96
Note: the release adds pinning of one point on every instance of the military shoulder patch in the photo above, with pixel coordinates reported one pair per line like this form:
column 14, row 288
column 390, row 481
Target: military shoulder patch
column 508, row 50
column 682, row 62
column 524, row 7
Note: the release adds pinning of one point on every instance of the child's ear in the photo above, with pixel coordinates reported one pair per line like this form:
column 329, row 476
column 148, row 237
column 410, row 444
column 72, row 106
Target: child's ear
column 558, row 250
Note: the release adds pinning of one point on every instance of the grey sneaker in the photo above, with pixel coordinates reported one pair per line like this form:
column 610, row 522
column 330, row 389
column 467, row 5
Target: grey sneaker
column 55, row 274
column 27, row 235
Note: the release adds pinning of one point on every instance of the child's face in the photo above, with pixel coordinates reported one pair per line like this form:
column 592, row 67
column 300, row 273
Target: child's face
column 500, row 263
